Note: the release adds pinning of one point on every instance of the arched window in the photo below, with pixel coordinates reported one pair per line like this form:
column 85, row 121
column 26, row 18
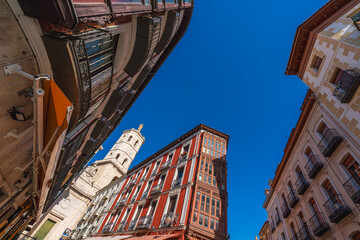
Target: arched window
column 352, row 184
column 129, row 139
column 136, row 143
column 125, row 161
column 301, row 183
column 304, row 231
column 117, row 156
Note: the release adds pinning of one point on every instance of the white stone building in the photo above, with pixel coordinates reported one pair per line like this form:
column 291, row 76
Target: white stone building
column 72, row 203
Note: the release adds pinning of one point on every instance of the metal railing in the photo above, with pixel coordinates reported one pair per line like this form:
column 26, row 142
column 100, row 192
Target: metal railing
column 301, row 184
column 145, row 194
column 168, row 219
column 132, row 225
column 347, row 85
column 165, row 165
column 304, row 233
column 157, row 189
column 336, row 208
column 144, row 222
column 318, row 224
column 329, row 142
column 285, row 210
column 292, row 199
column 108, row 227
column 183, row 158
column 121, row 226
column 313, row 166
column 176, row 183
column 352, row 186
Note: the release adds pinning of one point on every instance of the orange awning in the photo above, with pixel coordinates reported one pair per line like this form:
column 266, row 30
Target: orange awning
column 55, row 109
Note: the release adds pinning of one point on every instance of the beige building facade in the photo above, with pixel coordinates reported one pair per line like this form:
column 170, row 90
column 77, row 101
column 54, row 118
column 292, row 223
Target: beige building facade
column 315, row 193
column 72, row 203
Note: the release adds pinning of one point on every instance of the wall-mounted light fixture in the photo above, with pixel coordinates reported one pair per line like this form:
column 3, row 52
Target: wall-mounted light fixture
column 17, row 115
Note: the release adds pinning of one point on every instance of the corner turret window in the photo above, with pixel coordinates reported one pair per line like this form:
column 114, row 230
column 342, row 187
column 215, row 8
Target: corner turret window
column 125, row 161
column 136, row 143
column 117, row 156
column 129, row 139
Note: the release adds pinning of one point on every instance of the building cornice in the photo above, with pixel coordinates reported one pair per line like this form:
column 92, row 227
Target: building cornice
column 306, row 108
column 307, row 32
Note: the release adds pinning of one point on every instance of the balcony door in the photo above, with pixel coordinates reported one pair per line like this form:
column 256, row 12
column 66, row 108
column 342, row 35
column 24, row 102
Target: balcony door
column 330, row 190
column 353, row 168
column 303, row 224
column 172, row 203
column 323, row 130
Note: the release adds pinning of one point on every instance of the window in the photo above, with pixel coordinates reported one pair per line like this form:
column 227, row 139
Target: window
column 205, row 140
column 213, row 207
column 201, row 219
column 152, row 208
column 197, row 200
column 316, row 63
column 206, row 221
column 210, row 169
column 117, row 156
column 202, row 165
column 200, row 176
column 207, row 208
column 216, row 225
column 205, row 178
column 136, row 143
column 283, row 236
column 212, row 224
column 202, row 206
column 292, row 228
column 129, row 139
column 218, row 208
column 214, row 182
column 195, row 217
column 212, row 144
column 125, row 161
column 204, row 149
column 216, row 146
column 170, row 157
column 172, row 203
column 208, row 143
column 206, row 167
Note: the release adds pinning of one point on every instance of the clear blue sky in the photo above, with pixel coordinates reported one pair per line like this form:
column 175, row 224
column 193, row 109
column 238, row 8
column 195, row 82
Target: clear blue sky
column 228, row 72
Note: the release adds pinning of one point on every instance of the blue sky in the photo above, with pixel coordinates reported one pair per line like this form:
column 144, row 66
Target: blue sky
column 228, row 72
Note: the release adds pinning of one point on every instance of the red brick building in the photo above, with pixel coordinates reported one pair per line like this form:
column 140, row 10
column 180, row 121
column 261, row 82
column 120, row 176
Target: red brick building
column 180, row 190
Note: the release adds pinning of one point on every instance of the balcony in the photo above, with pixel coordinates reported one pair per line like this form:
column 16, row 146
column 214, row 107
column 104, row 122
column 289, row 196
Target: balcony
column 183, row 158
column 108, row 227
column 329, row 142
column 304, row 234
column 277, row 219
column 168, row 220
column 336, row 209
column 313, row 166
column 272, row 226
column 153, row 173
column 121, row 227
column 121, row 202
column 348, row 83
column 144, row 222
column 285, row 210
column 352, row 186
column 145, row 194
column 156, row 189
column 292, row 199
column 131, row 183
column 301, row 185
column 132, row 225
column 176, row 183
column 318, row 224
column 165, row 166
column 133, row 198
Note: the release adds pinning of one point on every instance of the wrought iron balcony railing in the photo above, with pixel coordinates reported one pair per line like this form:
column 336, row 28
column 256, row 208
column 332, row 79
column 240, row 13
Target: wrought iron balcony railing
column 313, row 166
column 183, row 158
column 352, row 186
column 108, row 227
column 292, row 199
column 144, row 222
column 348, row 83
column 145, row 194
column 132, row 225
column 154, row 172
column 121, row 227
column 165, row 166
column 329, row 142
column 304, row 234
column 285, row 210
column 336, row 208
column 131, row 183
column 277, row 219
column 318, row 224
column 301, row 185
column 133, row 198
column 157, row 189
column 168, row 220
column 121, row 202
column 176, row 183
